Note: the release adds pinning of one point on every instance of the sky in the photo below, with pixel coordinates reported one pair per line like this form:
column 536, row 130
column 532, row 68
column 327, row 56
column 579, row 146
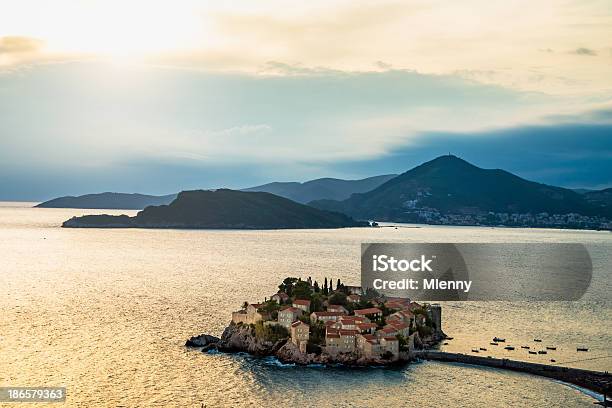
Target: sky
column 157, row 97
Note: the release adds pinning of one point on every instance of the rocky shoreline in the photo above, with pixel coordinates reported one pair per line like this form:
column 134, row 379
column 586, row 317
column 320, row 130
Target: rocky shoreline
column 241, row 338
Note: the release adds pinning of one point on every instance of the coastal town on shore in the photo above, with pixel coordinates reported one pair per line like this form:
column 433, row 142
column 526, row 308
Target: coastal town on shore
column 323, row 319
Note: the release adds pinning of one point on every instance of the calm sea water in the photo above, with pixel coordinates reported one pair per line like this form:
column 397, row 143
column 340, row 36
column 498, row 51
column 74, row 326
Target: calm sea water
column 106, row 314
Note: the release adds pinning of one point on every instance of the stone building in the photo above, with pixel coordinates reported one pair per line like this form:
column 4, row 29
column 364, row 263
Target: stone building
column 250, row 315
column 288, row 315
column 302, row 304
column 325, row 316
column 280, row 297
column 340, row 341
column 337, row 308
column 300, row 333
column 372, row 313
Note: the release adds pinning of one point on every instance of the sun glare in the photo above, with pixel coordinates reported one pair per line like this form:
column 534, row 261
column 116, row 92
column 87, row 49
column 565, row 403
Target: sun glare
column 117, row 29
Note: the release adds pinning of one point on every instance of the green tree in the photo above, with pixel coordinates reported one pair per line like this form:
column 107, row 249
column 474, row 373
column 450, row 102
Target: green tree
column 338, row 298
column 371, row 294
column 271, row 307
column 316, row 302
column 302, row 290
column 271, row 332
column 287, row 285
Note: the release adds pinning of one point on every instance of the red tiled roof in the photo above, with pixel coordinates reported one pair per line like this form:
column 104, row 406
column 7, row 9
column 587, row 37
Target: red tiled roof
column 282, row 295
column 370, row 310
column 332, row 335
column 291, row 309
column 387, row 329
column 389, row 338
column 297, row 323
column 369, row 336
column 328, row 313
column 399, row 325
column 302, row 302
column 364, row 326
column 344, row 332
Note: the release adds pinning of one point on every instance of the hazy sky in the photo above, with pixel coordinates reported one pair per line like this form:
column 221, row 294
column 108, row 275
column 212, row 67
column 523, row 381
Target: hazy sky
column 133, row 96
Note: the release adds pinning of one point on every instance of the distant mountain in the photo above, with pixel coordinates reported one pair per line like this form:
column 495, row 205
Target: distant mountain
column 600, row 198
column 222, row 209
column 323, row 188
column 108, row 201
column 450, row 185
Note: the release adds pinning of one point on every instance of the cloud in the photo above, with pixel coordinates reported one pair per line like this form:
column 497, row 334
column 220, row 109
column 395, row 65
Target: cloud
column 95, row 120
column 574, row 155
column 19, row 45
column 584, row 51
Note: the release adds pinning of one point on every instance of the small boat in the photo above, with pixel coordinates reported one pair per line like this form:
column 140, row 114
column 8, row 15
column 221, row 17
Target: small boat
column 483, row 349
column 474, row 350
column 445, row 344
column 499, row 340
column 533, row 352
column 550, row 348
column 537, row 340
column 509, row 347
column 493, row 343
column 449, row 338
column 552, row 360
column 582, row 349
column 525, row 347
column 542, row 352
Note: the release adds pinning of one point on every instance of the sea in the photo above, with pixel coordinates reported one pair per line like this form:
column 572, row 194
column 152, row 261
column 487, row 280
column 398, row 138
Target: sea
column 106, row 313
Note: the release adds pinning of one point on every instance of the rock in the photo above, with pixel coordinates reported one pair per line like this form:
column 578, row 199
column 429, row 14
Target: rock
column 241, row 337
column 289, row 353
column 208, row 347
column 203, row 340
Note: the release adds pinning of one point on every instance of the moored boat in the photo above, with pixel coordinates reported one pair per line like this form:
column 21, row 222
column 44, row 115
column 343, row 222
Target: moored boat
column 509, row 347
column 542, row 352
column 551, row 348
column 498, row 340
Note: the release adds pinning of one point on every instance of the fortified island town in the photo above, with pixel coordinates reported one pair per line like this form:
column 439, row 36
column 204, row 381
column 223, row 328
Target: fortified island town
column 305, row 323
column 308, row 323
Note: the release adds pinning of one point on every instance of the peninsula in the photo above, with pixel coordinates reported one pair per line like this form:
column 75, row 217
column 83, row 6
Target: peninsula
column 307, row 323
column 222, row 209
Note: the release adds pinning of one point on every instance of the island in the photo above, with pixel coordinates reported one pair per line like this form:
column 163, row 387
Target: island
column 308, row 323
column 108, row 201
column 222, row 209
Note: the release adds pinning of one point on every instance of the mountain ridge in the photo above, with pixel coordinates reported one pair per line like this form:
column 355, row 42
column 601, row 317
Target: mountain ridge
column 108, row 201
column 322, row 188
column 451, row 185
column 222, row 209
